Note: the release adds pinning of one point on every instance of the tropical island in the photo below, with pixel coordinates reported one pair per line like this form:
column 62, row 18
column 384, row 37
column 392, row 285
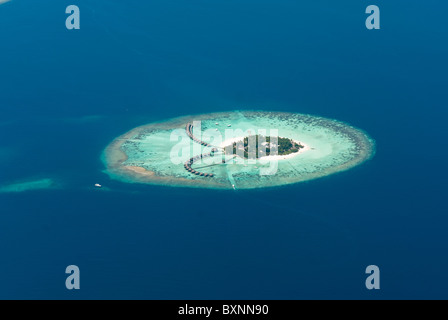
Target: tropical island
column 168, row 153
column 281, row 147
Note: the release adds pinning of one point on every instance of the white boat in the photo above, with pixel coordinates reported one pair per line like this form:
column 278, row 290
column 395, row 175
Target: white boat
column 97, row 185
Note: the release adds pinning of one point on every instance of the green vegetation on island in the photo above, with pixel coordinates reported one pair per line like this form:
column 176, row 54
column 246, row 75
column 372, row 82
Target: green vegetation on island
column 283, row 146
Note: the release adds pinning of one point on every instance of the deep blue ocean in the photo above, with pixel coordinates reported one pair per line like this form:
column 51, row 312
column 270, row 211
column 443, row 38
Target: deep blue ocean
column 65, row 94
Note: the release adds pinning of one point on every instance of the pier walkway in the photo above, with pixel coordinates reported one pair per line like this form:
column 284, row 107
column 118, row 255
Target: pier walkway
column 192, row 160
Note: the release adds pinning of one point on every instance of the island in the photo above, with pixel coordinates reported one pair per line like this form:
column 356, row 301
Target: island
column 196, row 150
column 262, row 146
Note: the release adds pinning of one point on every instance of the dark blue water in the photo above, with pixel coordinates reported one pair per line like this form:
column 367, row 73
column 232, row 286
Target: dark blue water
column 64, row 95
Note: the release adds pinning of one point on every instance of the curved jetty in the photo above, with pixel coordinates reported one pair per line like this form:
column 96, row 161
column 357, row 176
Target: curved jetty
column 168, row 153
column 189, row 162
column 189, row 131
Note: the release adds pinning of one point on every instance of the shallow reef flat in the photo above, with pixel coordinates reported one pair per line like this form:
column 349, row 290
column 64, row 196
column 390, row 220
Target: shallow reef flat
column 29, row 186
column 155, row 153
